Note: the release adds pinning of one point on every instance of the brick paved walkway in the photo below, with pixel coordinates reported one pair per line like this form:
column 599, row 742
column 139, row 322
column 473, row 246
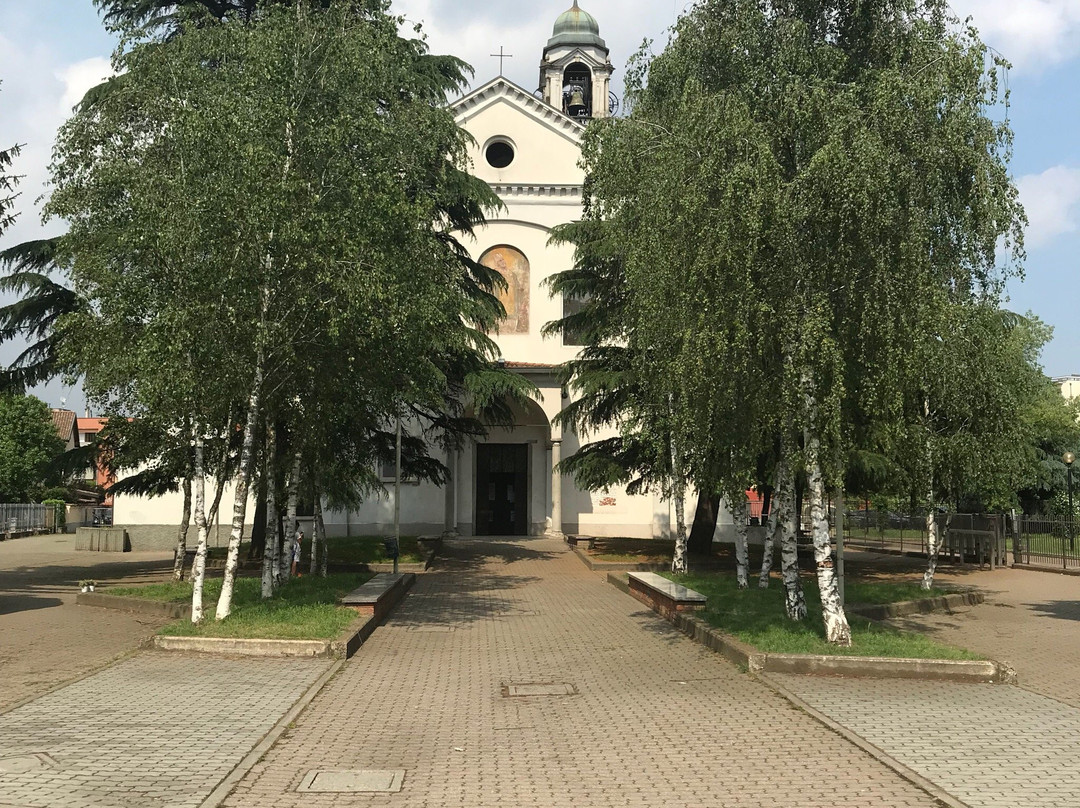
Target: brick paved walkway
column 159, row 729
column 45, row 638
column 991, row 746
column 656, row 720
column 1030, row 620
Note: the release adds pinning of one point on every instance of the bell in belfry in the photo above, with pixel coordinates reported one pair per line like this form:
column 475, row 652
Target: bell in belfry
column 576, row 105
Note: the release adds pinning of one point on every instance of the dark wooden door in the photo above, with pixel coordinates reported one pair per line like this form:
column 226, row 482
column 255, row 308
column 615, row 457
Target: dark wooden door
column 502, row 489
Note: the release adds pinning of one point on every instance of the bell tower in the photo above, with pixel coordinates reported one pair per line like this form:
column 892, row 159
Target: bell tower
column 575, row 72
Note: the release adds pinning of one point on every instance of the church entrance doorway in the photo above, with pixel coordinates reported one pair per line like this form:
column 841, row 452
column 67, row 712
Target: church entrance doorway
column 502, row 489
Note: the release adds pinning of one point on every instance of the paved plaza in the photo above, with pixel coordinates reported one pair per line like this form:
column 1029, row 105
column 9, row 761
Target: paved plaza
column 155, row 730
column 514, row 676
column 654, row 719
column 45, row 638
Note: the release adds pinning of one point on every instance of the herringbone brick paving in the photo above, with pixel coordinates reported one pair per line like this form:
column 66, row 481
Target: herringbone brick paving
column 656, row 720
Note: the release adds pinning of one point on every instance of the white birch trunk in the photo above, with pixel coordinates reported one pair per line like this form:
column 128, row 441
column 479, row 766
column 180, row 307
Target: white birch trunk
column 198, row 571
column 292, row 531
column 932, row 544
column 181, row 536
column 837, row 630
column 787, row 521
column 270, row 559
column 933, row 540
column 243, row 482
column 773, row 530
column 741, row 512
column 679, row 558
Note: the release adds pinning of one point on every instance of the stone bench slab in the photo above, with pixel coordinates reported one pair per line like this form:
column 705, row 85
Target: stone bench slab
column 374, row 590
column 669, row 589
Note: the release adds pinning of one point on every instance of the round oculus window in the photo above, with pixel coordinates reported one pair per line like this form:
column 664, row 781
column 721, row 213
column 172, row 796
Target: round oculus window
column 499, row 154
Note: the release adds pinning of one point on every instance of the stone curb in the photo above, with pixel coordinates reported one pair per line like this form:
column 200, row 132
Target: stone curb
column 879, row 755
column 386, row 567
column 943, row 603
column 240, row 771
column 342, row 647
column 1040, row 568
column 755, row 661
column 126, row 604
column 616, row 566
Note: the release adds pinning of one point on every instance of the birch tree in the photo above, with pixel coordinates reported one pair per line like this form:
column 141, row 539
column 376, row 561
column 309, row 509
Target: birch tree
column 796, row 185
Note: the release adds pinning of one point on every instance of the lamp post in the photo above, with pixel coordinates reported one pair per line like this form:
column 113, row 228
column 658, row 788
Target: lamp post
column 1069, row 458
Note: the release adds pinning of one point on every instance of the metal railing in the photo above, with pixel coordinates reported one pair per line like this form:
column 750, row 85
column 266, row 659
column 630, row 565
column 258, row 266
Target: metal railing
column 17, row 519
column 1046, row 541
column 966, row 537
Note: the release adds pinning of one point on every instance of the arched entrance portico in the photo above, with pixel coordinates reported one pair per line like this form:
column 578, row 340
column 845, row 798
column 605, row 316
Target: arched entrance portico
column 503, row 482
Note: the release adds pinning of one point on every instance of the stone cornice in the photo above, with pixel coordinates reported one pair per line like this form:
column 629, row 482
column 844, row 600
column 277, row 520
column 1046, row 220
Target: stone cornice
column 547, row 192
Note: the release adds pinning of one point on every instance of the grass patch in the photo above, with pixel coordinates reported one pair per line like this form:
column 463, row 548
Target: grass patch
column 304, row 608
column 633, row 551
column 365, row 550
column 757, row 617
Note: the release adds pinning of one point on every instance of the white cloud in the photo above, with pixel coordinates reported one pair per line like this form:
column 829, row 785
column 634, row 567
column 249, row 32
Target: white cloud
column 79, row 77
column 1052, row 202
column 1032, row 34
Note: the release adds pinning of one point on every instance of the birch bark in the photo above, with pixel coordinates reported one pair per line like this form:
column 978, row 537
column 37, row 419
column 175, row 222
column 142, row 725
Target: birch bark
column 317, row 530
column 933, row 539
column 288, row 541
column 181, row 536
column 243, row 482
column 270, row 553
column 678, row 559
column 794, row 598
column 741, row 512
column 198, row 570
column 837, row 630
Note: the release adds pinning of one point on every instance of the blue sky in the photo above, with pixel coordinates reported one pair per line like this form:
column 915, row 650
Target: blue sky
column 51, row 51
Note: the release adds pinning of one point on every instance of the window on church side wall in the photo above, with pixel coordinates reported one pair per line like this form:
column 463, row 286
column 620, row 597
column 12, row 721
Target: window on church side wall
column 570, row 306
column 512, row 264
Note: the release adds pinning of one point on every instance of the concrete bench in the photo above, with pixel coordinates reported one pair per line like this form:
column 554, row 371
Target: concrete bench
column 584, row 542
column 663, row 596
column 379, row 595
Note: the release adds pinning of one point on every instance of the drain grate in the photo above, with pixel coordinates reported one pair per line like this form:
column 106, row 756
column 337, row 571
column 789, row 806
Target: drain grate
column 539, row 689
column 352, row 781
column 20, row 764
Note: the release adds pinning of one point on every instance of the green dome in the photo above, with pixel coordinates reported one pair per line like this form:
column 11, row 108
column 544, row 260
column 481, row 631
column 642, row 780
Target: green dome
column 576, row 27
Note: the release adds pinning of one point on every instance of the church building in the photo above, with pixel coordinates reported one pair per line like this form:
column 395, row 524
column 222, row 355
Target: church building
column 526, row 146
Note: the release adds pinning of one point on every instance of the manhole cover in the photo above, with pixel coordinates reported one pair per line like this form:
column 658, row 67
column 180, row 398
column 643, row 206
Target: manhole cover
column 540, row 689
column 352, row 781
column 19, row 764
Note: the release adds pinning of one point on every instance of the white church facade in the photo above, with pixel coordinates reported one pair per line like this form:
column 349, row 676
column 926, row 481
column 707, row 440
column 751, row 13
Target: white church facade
column 527, row 147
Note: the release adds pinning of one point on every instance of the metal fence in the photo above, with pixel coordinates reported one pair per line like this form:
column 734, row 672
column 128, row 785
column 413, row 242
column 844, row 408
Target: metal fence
column 17, row 519
column 966, row 537
column 1046, row 541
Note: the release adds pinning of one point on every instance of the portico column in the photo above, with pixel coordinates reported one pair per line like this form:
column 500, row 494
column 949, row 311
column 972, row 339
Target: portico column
column 450, row 492
column 556, row 489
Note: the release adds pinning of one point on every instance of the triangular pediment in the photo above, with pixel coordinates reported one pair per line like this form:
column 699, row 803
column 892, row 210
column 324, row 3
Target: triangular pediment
column 502, row 91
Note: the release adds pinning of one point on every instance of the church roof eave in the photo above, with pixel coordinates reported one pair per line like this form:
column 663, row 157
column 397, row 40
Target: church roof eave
column 502, row 88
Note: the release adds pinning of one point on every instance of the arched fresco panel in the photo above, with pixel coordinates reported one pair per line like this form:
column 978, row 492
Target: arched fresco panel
column 514, row 267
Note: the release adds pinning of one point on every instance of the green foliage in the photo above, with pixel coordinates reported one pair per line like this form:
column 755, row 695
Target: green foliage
column 803, row 201
column 28, row 444
column 59, row 506
column 278, row 193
